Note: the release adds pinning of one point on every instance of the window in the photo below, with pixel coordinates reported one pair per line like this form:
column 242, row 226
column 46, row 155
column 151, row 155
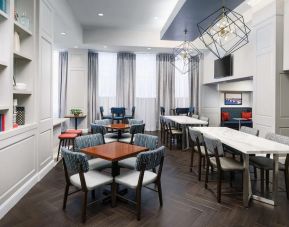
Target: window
column 107, row 64
column 181, row 83
column 145, row 82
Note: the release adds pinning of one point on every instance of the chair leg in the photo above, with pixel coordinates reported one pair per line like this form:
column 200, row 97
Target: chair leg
column 255, row 173
column 286, row 182
column 207, row 175
column 59, row 146
column 65, row 196
column 231, row 178
column 219, row 186
column 200, row 166
column 262, row 180
column 267, row 179
column 93, row 194
column 84, row 205
column 192, row 160
column 160, row 193
column 170, row 137
column 138, row 203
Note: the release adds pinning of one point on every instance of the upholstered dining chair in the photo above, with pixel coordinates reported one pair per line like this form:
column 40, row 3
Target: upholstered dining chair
column 135, row 122
column 203, row 118
column 163, row 129
column 142, row 176
column 91, row 141
column 197, row 146
column 102, row 115
column 118, row 114
column 132, row 114
column 163, row 110
column 172, row 134
column 266, row 164
column 143, row 140
column 218, row 161
column 99, row 127
column 133, row 130
column 78, row 174
column 195, row 116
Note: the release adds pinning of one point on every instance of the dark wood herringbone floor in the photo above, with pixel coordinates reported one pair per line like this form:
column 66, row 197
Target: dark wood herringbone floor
column 186, row 203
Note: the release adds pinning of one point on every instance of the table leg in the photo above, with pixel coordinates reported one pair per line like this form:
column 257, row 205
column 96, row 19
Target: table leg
column 118, row 134
column 115, row 170
column 183, row 137
column 247, row 190
column 275, row 178
column 239, row 125
column 75, row 123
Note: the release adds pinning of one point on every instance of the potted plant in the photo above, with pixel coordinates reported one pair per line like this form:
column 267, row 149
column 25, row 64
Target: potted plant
column 76, row 112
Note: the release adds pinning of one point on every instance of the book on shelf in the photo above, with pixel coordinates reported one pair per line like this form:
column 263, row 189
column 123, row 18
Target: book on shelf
column 2, row 122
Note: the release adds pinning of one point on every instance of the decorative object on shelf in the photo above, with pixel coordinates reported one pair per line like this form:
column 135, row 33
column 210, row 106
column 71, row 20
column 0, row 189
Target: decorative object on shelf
column 16, row 42
column 20, row 115
column 3, row 5
column 223, row 32
column 233, row 99
column 20, row 86
column 24, row 20
column 76, row 111
column 183, row 54
column 2, row 122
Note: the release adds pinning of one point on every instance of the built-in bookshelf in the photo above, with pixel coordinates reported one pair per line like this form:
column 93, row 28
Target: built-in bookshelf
column 17, row 64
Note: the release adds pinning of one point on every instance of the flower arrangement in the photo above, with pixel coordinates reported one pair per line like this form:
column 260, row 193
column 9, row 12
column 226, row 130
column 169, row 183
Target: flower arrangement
column 76, row 111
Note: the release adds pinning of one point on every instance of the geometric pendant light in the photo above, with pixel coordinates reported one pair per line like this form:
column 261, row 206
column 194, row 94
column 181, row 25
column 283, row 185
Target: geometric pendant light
column 183, row 54
column 223, row 32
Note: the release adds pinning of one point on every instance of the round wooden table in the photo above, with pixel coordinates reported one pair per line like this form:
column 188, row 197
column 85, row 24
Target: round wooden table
column 119, row 128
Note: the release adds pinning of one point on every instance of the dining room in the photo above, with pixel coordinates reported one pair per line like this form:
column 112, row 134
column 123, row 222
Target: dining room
column 144, row 113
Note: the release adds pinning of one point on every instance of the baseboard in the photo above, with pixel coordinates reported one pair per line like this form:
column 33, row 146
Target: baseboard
column 24, row 189
column 42, row 173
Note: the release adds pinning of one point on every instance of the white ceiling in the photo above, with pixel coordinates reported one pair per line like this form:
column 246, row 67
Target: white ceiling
column 123, row 14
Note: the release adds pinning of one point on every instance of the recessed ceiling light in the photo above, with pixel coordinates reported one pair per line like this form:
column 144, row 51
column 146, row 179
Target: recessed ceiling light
column 100, row 14
column 104, row 46
column 149, row 48
column 156, row 18
column 75, row 46
column 63, row 33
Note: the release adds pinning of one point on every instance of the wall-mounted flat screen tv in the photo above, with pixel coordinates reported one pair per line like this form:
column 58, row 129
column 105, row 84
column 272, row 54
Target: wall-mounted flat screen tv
column 224, row 67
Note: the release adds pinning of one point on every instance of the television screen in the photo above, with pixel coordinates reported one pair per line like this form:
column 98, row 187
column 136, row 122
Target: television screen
column 224, row 67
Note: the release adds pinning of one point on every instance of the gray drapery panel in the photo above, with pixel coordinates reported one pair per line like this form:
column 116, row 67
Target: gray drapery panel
column 62, row 82
column 194, row 87
column 125, row 80
column 165, row 84
column 92, row 95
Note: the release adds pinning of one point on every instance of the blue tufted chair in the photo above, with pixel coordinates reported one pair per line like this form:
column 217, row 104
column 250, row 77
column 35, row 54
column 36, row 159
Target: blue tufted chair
column 142, row 176
column 143, row 140
column 78, row 174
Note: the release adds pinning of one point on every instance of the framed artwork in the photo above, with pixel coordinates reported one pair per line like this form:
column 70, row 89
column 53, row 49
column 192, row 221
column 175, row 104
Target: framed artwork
column 233, row 99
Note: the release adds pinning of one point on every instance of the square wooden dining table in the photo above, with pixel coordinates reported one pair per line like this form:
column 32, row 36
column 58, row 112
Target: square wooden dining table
column 114, row 152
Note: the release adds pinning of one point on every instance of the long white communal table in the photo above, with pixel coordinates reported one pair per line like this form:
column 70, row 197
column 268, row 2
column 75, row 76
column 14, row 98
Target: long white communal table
column 248, row 144
column 185, row 121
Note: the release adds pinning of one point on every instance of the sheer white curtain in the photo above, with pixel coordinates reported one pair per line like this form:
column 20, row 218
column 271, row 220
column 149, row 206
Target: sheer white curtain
column 145, row 90
column 107, row 65
column 181, row 87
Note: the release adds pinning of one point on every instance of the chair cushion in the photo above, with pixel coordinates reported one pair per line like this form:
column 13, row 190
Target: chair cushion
column 246, row 115
column 264, row 163
column 203, row 152
column 98, row 164
column 67, row 136
column 128, row 163
column 227, row 163
column 93, row 179
column 74, row 131
column 130, row 178
column 225, row 116
column 174, row 131
column 125, row 140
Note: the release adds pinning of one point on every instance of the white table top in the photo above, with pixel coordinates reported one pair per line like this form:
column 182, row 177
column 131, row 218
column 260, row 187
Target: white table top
column 185, row 120
column 58, row 121
column 244, row 142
